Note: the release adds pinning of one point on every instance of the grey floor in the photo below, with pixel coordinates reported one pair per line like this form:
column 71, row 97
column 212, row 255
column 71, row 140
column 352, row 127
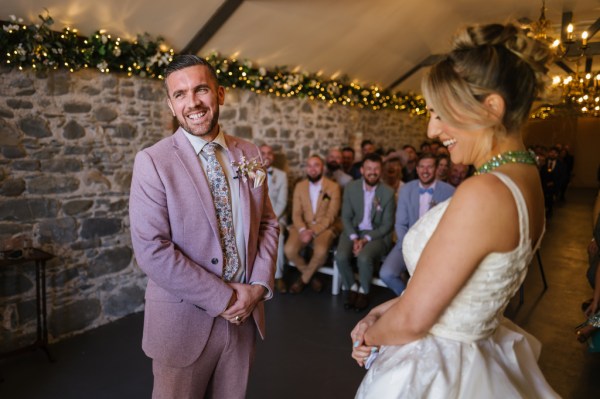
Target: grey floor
column 307, row 351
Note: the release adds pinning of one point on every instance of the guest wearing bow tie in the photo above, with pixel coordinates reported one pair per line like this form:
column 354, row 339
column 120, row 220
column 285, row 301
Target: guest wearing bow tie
column 416, row 198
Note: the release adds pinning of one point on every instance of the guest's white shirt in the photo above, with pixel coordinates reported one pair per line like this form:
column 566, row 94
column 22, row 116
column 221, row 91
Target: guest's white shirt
column 425, row 199
column 314, row 189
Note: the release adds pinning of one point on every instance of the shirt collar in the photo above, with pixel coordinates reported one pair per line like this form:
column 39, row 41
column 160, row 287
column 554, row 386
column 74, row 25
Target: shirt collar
column 198, row 142
column 315, row 184
column 432, row 185
column 368, row 188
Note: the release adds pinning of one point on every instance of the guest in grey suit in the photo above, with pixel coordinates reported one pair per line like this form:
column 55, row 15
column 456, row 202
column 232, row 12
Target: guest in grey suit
column 204, row 232
column 416, row 198
column 367, row 216
column 278, row 194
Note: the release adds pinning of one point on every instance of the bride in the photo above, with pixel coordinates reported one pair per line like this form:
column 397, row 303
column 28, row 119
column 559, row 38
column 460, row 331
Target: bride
column 445, row 337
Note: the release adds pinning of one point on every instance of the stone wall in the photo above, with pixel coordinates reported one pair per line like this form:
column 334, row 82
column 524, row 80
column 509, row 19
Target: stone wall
column 67, row 144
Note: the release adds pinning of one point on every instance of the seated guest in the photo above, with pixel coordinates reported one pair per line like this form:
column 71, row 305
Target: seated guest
column 333, row 168
column 416, row 198
column 347, row 159
column 443, row 168
column 278, row 194
column 409, row 171
column 457, row 174
column 367, row 216
column 392, row 172
column 366, row 147
column 315, row 208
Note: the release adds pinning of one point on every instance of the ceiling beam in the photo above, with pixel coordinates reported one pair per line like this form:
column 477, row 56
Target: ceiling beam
column 593, row 29
column 564, row 67
column 430, row 60
column 567, row 18
column 211, row 27
column 588, row 64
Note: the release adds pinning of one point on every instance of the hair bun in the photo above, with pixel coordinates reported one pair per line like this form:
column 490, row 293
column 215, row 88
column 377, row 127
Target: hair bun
column 534, row 52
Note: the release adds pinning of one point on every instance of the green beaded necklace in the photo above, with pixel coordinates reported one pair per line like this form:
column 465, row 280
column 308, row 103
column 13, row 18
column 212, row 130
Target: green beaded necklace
column 526, row 157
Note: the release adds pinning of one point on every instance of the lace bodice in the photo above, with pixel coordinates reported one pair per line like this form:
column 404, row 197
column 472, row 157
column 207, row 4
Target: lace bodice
column 476, row 311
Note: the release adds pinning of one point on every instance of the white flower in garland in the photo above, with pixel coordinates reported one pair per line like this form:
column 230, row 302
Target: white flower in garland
column 102, row 66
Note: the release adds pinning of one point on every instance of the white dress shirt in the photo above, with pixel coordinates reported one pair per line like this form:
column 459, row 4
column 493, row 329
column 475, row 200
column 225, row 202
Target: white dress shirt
column 425, row 199
column 314, row 190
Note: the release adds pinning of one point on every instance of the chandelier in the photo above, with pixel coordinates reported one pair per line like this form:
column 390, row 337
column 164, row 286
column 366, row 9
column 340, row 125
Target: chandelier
column 577, row 91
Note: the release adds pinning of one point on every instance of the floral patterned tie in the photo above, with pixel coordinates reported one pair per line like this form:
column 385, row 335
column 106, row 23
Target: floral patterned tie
column 219, row 189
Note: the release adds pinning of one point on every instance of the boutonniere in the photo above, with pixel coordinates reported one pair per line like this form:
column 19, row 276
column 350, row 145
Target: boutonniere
column 377, row 204
column 432, row 204
column 326, row 197
column 249, row 169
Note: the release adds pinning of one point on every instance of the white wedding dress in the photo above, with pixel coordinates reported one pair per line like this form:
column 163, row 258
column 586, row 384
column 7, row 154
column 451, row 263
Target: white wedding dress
column 472, row 351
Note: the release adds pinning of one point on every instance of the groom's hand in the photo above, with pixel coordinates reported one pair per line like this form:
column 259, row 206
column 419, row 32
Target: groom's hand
column 248, row 296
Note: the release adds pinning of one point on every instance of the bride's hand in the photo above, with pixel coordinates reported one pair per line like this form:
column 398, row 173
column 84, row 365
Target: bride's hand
column 360, row 351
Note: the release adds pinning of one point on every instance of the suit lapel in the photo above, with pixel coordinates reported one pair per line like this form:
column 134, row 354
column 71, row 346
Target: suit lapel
column 191, row 164
column 416, row 202
column 360, row 206
column 436, row 193
column 235, row 154
column 306, row 198
column 376, row 199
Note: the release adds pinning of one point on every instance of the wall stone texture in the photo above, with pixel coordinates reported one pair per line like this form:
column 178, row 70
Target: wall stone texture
column 67, row 145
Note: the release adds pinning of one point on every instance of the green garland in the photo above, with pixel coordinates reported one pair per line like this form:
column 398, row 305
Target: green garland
column 40, row 48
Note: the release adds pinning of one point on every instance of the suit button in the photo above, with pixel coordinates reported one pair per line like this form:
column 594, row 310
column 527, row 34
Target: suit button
column 214, row 261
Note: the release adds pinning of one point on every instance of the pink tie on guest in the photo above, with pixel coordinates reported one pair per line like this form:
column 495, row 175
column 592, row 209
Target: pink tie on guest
column 219, row 189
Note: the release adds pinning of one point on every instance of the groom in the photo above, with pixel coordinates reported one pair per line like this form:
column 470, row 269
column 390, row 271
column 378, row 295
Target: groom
column 204, row 232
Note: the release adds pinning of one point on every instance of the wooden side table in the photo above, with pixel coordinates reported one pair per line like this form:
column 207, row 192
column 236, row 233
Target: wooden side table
column 18, row 257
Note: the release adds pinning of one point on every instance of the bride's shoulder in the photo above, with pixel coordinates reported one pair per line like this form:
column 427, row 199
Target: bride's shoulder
column 481, row 194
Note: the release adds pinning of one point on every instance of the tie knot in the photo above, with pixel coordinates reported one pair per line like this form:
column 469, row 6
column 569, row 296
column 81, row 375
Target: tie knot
column 426, row 190
column 209, row 148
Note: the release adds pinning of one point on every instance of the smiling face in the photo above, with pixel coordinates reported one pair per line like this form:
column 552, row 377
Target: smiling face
column 194, row 98
column 268, row 157
column 426, row 171
column 371, row 172
column 314, row 169
column 469, row 147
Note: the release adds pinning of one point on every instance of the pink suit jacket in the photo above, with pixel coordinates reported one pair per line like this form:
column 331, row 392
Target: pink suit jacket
column 176, row 242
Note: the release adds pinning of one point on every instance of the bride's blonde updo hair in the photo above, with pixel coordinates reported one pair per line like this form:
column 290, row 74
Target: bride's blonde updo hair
column 488, row 59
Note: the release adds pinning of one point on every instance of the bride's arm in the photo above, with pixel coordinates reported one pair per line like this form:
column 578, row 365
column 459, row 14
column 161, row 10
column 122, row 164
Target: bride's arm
column 481, row 218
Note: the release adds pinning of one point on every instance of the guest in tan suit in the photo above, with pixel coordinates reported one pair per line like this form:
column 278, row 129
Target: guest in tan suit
column 315, row 210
